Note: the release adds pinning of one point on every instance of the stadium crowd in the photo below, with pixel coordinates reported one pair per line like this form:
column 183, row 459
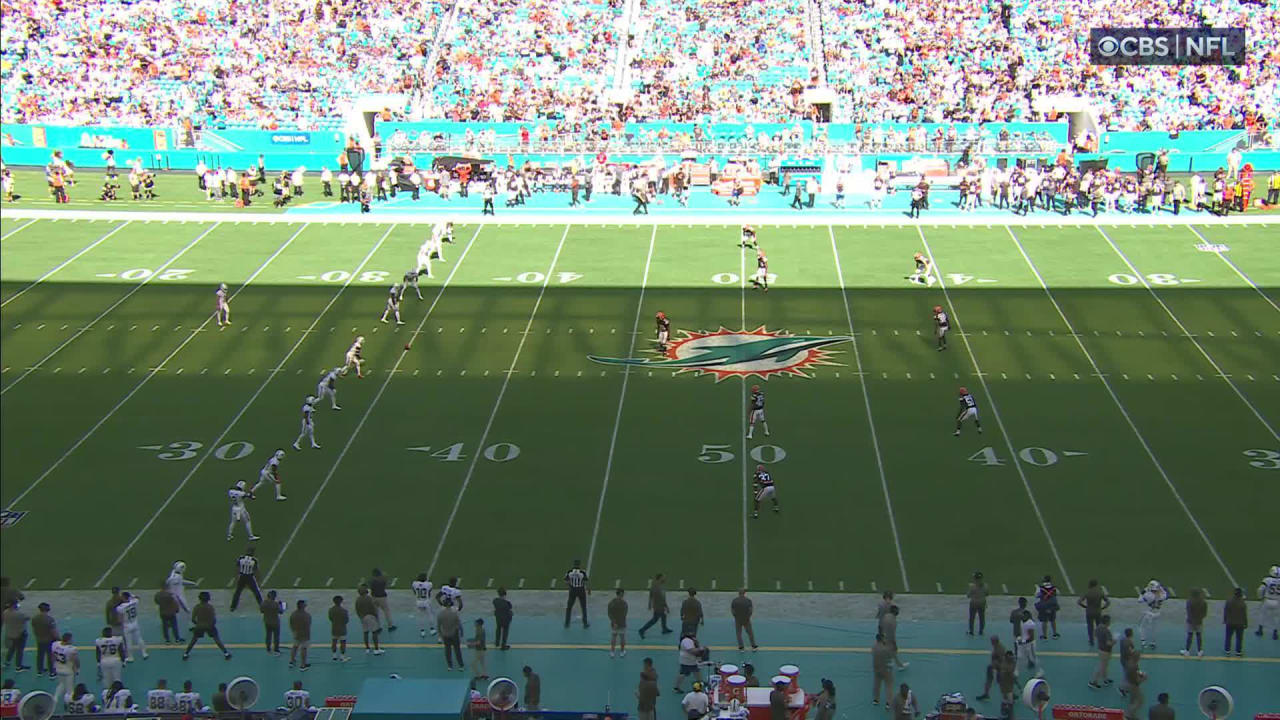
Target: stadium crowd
column 257, row 64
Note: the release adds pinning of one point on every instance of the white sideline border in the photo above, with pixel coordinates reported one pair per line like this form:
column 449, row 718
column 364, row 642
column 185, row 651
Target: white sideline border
column 710, row 216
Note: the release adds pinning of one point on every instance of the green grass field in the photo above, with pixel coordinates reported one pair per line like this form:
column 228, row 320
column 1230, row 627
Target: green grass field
column 1128, row 383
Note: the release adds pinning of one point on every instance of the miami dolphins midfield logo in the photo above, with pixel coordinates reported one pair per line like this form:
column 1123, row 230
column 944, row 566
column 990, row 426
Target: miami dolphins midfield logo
column 733, row 353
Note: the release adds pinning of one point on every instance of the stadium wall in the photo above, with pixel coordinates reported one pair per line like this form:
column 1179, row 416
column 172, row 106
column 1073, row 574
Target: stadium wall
column 31, row 145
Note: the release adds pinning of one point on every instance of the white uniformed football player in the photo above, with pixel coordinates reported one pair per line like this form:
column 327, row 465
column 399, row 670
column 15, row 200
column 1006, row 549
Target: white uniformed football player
column 424, row 258
column 176, row 584
column 450, row 591
column 748, row 237
column 189, row 700
column 1153, row 597
column 271, row 473
column 11, row 695
column 308, row 423
column 162, row 697
column 297, row 698
column 81, row 701
column 1269, row 591
column 426, row 609
column 393, row 304
column 328, row 387
column 222, row 306
column 924, row 271
column 410, row 279
column 110, row 652
column 354, row 358
column 66, row 665
column 118, row 699
column 127, row 611
column 238, row 494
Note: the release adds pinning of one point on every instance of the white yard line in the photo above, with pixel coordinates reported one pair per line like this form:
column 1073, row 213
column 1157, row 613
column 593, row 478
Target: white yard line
column 64, row 263
column 368, row 411
column 113, row 306
column 1213, row 363
column 622, row 396
column 866, row 401
column 1097, row 371
column 497, row 404
column 995, row 412
column 231, row 425
column 702, row 218
column 20, row 228
column 742, row 430
column 1223, row 256
column 150, row 374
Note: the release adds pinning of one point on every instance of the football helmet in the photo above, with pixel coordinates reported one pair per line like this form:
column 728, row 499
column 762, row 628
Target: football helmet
column 311, row 399
column 964, row 390
column 937, row 309
column 1275, row 571
column 279, row 453
column 179, row 567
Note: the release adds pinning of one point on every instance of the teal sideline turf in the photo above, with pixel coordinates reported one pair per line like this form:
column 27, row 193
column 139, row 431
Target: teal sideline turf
column 496, row 449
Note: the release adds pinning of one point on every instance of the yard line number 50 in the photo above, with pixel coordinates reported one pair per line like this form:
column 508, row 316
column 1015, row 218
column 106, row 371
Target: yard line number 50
column 767, row 454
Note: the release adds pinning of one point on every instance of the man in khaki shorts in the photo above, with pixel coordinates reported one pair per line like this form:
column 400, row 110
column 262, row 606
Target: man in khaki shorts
column 367, row 611
column 300, row 625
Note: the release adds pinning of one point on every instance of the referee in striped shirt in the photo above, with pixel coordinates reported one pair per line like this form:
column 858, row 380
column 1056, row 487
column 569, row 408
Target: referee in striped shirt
column 247, row 568
column 578, row 591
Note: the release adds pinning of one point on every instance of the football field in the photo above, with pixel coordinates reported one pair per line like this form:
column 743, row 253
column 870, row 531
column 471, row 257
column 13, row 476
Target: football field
column 1128, row 380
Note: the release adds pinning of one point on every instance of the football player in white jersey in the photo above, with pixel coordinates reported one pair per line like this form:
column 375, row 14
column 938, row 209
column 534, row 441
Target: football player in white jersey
column 1269, row 591
column 221, row 306
column 110, row 652
column 118, row 699
column 66, row 665
column 127, row 611
column 271, row 473
column 450, row 592
column 410, row 279
column 308, row 423
column 1152, row 598
column 924, row 271
column 393, row 304
column 426, row 609
column 238, row 494
column 748, row 237
column 81, row 702
column 162, row 697
column 424, row 257
column 328, row 387
column 297, row 698
column 189, row 700
column 176, row 584
column 354, row 358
